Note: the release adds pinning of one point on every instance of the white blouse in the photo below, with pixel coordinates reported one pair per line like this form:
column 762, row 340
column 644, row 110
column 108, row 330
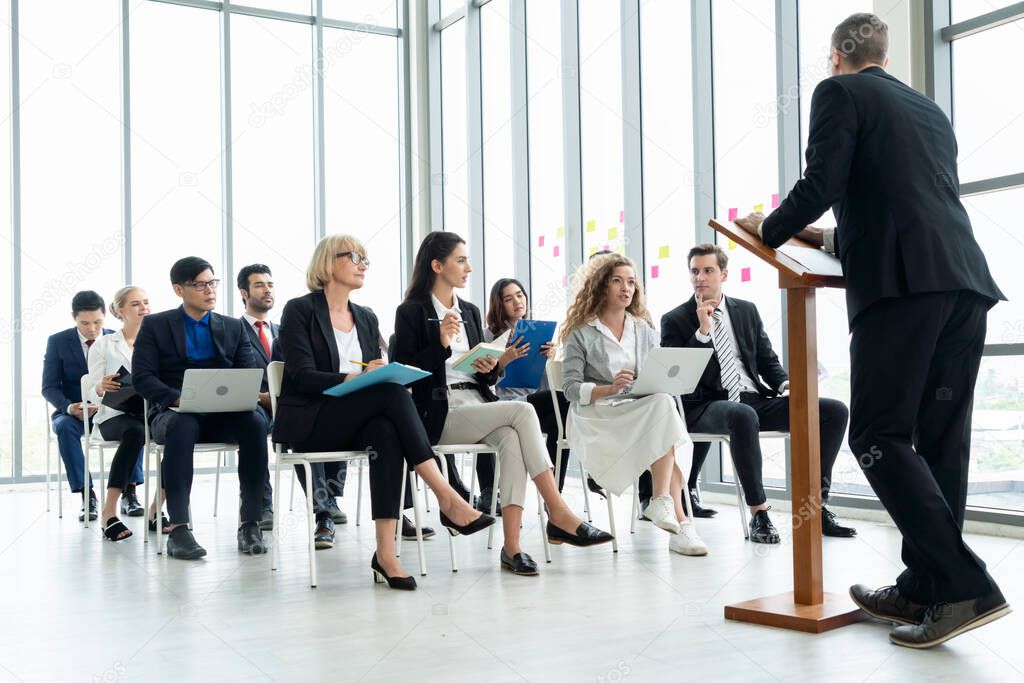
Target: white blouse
column 348, row 350
column 106, row 356
column 459, row 345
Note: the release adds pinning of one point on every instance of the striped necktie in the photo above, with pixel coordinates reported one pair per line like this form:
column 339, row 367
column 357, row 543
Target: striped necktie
column 730, row 367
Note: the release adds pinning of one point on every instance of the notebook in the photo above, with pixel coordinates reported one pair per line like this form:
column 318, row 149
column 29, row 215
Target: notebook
column 494, row 349
column 395, row 373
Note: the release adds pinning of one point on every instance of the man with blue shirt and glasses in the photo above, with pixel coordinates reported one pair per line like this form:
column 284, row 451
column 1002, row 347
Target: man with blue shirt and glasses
column 169, row 343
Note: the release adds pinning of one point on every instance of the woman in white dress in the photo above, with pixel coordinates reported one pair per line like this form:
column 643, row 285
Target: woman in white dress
column 606, row 335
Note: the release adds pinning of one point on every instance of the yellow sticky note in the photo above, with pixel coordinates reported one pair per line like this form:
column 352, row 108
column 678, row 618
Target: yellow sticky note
column 758, row 208
column 593, row 250
column 613, row 233
column 560, row 232
column 591, row 225
column 663, row 251
column 732, row 245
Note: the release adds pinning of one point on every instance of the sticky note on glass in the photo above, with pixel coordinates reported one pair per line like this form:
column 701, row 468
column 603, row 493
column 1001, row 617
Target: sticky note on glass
column 540, row 241
column 775, row 201
column 605, row 248
column 622, row 216
column 591, row 225
column 732, row 245
column 654, row 272
column 555, row 251
column 593, row 250
column 732, row 214
column 663, row 251
column 745, row 275
column 758, row 207
column 560, row 233
column 613, row 233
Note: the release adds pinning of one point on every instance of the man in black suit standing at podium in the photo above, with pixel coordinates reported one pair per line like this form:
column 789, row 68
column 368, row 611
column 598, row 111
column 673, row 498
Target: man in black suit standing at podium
column 918, row 289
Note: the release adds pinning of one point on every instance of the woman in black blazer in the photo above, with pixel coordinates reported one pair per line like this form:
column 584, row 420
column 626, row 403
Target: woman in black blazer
column 324, row 337
column 432, row 327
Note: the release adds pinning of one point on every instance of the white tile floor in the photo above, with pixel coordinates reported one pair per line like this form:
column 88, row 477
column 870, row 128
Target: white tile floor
column 78, row 609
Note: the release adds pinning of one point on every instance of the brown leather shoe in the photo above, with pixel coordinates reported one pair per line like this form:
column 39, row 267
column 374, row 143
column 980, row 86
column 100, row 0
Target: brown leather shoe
column 887, row 604
column 947, row 620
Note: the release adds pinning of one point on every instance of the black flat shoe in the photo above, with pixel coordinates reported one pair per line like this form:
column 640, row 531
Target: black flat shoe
column 115, row 528
column 520, row 564
column 887, row 604
column 323, row 537
column 402, row 583
column 267, row 519
column 762, row 530
column 130, row 504
column 698, row 509
column 409, row 530
column 164, row 523
column 94, row 510
column 586, row 535
column 483, row 502
column 478, row 524
column 595, row 487
column 250, row 539
column 947, row 620
column 182, row 544
column 830, row 526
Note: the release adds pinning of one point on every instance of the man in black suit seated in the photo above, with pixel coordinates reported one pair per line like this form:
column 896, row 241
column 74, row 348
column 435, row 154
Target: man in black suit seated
column 256, row 287
column 918, row 289
column 741, row 391
column 193, row 336
column 63, row 367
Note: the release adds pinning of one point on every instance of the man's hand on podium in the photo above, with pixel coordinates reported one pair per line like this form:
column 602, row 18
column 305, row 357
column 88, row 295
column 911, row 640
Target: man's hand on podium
column 751, row 222
column 812, row 235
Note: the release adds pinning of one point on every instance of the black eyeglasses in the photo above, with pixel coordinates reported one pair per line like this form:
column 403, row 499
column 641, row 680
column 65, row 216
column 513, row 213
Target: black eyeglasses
column 356, row 257
column 200, row 285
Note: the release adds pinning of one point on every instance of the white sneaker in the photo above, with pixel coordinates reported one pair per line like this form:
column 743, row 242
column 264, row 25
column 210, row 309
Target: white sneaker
column 687, row 542
column 662, row 512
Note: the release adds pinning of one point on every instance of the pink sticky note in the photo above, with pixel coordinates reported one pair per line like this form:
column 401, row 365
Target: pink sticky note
column 654, row 272
column 605, row 248
column 555, row 251
column 745, row 275
column 622, row 216
column 564, row 280
column 732, row 214
column 775, row 201
column 540, row 241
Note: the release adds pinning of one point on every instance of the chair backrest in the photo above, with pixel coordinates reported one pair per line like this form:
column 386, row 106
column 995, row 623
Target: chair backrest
column 553, row 368
column 275, row 378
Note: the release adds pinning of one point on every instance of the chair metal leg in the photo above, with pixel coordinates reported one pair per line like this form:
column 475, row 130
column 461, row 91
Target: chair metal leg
column 359, row 493
column 741, row 504
column 159, row 503
column 451, row 539
column 145, row 492
column 398, row 527
column 60, row 490
column 494, row 498
column 275, row 534
column 47, row 467
column 85, row 479
column 103, row 471
column 310, row 518
column 636, row 508
column 216, row 484
column 543, row 528
column 611, row 523
column 291, row 496
column 586, row 493
column 416, row 518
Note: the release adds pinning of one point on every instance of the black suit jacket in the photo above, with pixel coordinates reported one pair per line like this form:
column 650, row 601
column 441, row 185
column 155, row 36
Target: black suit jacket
column 63, row 367
column 260, row 354
column 306, row 340
column 159, row 360
column 883, row 156
column 679, row 327
column 417, row 342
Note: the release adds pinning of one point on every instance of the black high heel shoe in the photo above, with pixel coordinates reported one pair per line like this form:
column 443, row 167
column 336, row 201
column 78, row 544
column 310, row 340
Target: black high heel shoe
column 596, row 488
column 481, row 522
column 402, row 583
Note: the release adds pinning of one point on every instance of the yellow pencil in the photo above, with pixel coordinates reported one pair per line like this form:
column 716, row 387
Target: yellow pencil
column 359, row 362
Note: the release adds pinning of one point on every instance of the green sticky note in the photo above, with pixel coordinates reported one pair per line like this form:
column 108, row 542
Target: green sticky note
column 663, row 251
column 593, row 250
column 591, row 225
column 613, row 233
column 560, row 232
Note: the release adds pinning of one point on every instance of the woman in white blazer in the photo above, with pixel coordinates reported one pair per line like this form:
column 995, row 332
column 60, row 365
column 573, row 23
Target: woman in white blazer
column 106, row 357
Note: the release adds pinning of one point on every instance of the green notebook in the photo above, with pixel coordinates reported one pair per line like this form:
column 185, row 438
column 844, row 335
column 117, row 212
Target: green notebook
column 494, row 349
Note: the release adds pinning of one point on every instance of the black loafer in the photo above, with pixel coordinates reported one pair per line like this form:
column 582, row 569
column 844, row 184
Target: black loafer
column 182, row 544
column 409, row 530
column 762, row 530
column 830, row 526
column 267, row 519
column 130, row 504
column 698, row 509
column 94, row 511
column 586, row 535
column 887, row 604
column 250, row 539
column 947, row 620
column 323, row 537
column 520, row 563
column 483, row 502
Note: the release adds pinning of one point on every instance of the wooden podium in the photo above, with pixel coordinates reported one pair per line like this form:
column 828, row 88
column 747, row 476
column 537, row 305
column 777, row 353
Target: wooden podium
column 807, row 608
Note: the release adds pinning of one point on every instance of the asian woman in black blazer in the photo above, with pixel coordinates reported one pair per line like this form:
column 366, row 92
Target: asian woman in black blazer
column 432, row 327
column 326, row 339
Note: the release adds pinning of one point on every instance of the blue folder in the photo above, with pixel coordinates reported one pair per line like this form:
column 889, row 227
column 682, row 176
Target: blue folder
column 527, row 372
column 392, row 372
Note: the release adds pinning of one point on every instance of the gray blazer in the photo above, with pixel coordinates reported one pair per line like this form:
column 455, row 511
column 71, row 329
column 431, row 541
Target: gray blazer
column 584, row 359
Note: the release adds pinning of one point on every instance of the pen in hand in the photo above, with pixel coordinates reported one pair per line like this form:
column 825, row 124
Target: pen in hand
column 440, row 320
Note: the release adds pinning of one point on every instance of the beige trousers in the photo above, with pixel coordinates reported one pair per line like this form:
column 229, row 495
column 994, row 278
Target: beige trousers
column 511, row 427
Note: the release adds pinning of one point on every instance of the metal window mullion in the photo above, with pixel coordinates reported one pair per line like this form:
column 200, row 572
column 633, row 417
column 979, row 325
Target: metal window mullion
column 632, row 135
column 983, row 22
column 406, row 200
column 227, row 194
column 17, row 403
column 520, row 141
column 475, row 141
column 126, row 145
column 319, row 168
column 438, row 172
column 571, row 151
column 1005, row 182
column 938, row 63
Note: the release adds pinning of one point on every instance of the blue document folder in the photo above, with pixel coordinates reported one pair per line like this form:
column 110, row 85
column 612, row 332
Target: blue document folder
column 526, row 372
column 392, row 372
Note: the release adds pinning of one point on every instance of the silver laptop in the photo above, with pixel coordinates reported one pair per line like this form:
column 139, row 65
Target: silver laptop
column 229, row 390
column 670, row 371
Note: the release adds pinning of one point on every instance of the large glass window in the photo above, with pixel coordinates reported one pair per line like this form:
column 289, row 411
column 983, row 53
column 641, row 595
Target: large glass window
column 547, row 202
column 372, row 12
column 454, row 136
column 7, row 321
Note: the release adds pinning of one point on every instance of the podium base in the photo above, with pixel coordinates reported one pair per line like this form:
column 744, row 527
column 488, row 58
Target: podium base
column 781, row 611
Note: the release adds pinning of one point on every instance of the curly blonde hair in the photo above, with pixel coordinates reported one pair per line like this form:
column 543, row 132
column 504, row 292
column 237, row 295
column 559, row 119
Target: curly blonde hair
column 593, row 278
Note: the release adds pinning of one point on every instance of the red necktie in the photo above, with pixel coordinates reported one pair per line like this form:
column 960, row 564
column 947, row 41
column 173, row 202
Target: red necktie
column 260, row 324
column 88, row 345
